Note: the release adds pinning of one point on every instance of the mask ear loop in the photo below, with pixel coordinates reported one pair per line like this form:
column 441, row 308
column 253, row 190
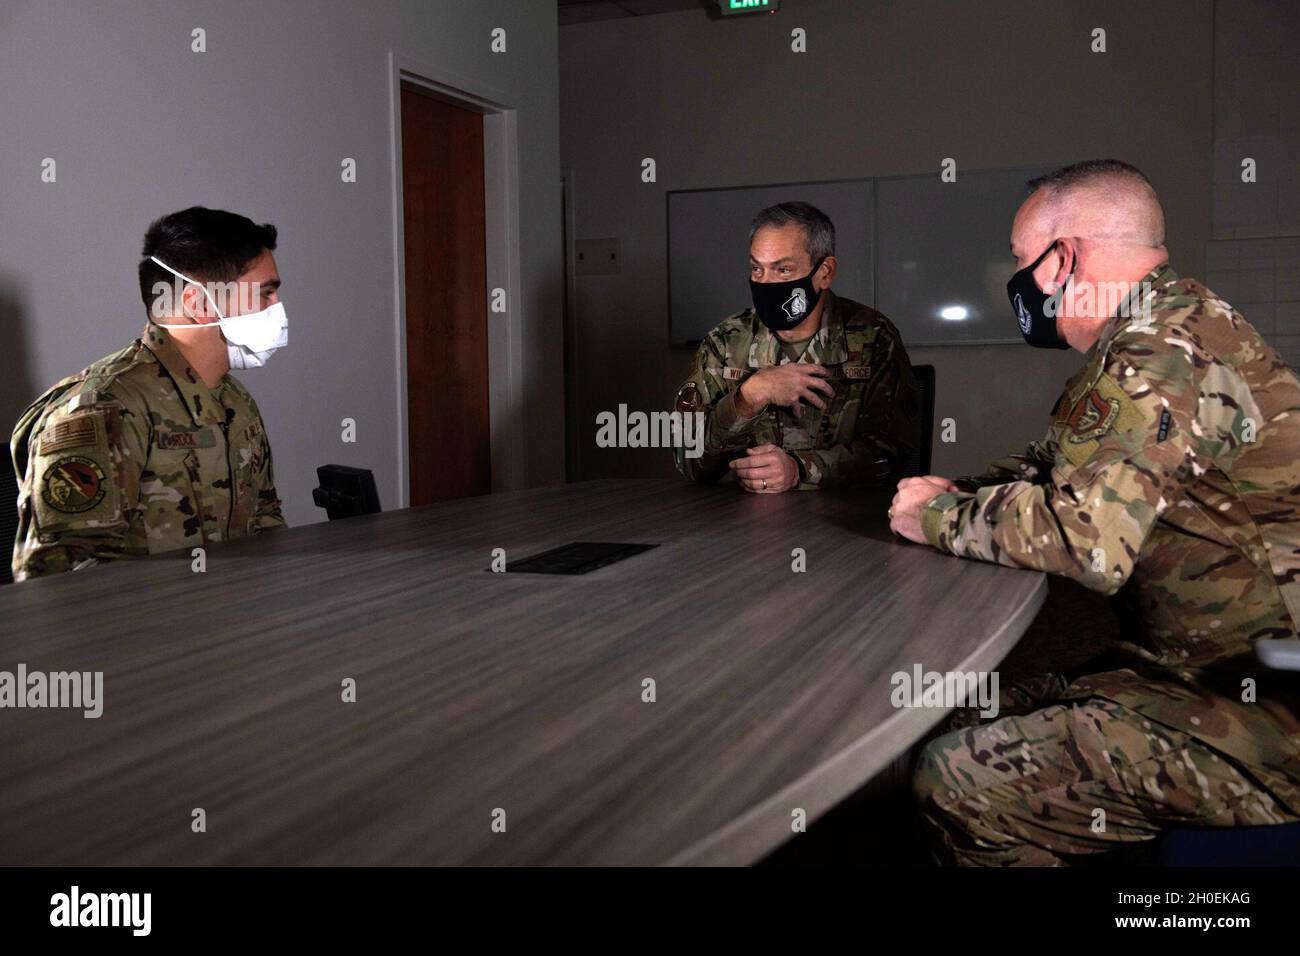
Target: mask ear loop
column 817, row 293
column 1059, row 294
column 198, row 325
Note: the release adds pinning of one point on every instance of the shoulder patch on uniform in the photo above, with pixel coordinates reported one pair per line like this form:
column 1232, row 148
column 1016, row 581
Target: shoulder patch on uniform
column 688, row 398
column 74, row 431
column 1104, row 408
column 1098, row 410
column 73, row 484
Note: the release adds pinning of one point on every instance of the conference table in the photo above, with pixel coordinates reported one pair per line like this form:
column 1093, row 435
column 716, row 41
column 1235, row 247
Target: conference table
column 371, row 691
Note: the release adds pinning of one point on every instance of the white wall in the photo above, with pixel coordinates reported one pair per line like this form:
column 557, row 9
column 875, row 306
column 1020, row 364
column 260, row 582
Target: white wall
column 886, row 88
column 140, row 126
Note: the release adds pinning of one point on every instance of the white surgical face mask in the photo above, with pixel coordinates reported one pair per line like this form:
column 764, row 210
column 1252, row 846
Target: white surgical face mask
column 251, row 339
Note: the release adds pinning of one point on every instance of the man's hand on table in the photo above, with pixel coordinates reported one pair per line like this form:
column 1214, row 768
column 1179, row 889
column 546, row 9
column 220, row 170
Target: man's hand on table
column 765, row 470
column 912, row 497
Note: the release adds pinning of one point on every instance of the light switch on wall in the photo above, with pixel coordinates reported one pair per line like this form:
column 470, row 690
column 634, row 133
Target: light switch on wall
column 596, row 257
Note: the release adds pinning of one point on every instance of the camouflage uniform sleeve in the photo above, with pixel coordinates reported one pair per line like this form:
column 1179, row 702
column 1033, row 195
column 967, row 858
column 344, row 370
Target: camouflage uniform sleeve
column 887, row 431
column 1145, row 434
column 79, row 486
column 725, row 431
column 268, row 515
column 1034, row 465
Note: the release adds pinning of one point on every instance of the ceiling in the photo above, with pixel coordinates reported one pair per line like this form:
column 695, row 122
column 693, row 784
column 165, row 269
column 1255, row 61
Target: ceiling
column 585, row 11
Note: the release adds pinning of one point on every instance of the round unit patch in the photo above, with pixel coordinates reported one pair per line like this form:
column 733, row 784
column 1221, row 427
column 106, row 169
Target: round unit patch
column 73, row 484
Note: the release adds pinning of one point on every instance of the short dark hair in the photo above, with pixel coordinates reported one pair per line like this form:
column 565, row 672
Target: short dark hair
column 207, row 245
column 818, row 228
column 1130, row 208
column 1078, row 173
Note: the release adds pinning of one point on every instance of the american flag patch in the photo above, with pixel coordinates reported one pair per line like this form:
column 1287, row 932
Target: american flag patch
column 77, row 431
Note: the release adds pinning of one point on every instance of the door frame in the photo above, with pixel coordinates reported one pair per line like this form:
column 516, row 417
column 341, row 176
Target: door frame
column 501, row 219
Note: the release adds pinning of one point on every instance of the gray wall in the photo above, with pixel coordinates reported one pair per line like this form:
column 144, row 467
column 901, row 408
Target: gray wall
column 886, row 88
column 1254, row 260
column 140, row 126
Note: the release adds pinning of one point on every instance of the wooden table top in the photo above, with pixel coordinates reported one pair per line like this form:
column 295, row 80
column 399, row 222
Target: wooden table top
column 479, row 692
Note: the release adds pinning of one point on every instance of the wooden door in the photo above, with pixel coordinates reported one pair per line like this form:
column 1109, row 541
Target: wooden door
column 446, row 299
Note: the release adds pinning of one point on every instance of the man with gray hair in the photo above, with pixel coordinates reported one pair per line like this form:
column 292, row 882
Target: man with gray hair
column 805, row 390
column 1170, row 477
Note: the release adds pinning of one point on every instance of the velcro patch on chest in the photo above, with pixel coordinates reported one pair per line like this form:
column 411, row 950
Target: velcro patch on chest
column 203, row 438
column 75, row 431
column 855, row 371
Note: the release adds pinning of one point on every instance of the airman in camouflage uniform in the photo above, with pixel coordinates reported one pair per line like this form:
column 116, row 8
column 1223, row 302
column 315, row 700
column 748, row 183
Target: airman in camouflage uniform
column 135, row 455
column 1170, row 476
column 869, row 430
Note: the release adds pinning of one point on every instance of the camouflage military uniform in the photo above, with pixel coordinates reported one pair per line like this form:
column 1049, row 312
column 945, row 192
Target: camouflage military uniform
column 1171, row 476
column 135, row 455
column 869, row 430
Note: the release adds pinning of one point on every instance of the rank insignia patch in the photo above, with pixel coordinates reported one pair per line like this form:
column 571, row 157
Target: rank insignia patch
column 73, row 484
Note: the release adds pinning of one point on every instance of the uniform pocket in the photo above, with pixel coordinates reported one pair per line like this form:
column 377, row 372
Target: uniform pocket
column 171, row 501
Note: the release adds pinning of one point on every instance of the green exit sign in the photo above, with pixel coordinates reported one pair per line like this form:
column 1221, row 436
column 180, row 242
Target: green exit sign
column 733, row 7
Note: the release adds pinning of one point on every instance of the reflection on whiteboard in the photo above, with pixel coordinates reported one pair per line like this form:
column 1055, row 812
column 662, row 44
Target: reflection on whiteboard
column 930, row 255
column 943, row 256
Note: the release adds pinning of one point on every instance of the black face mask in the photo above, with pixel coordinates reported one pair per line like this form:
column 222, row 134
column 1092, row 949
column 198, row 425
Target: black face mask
column 783, row 305
column 1035, row 309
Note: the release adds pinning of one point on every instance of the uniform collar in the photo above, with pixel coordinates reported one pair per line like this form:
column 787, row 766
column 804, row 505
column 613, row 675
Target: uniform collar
column 202, row 402
column 828, row 346
column 1151, row 284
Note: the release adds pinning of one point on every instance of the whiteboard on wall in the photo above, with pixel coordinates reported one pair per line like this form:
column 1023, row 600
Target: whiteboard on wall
column 930, row 255
column 943, row 255
column 708, row 247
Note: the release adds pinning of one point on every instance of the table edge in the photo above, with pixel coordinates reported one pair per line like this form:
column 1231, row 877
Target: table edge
column 742, row 841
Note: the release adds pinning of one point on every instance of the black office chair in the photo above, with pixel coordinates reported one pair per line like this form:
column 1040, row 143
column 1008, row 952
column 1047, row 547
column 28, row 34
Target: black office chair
column 920, row 463
column 8, row 518
column 346, row 492
column 1277, row 845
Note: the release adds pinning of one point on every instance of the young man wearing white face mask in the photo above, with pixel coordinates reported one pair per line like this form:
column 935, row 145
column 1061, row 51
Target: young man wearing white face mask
column 157, row 447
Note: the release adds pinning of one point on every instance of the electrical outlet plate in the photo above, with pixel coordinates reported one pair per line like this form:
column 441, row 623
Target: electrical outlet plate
column 597, row 257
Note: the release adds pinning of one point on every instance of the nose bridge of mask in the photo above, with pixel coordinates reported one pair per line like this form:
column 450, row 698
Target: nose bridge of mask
column 220, row 318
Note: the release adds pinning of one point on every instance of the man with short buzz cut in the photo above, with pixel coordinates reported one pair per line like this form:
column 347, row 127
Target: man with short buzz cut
column 807, row 389
column 157, row 447
column 1170, row 476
